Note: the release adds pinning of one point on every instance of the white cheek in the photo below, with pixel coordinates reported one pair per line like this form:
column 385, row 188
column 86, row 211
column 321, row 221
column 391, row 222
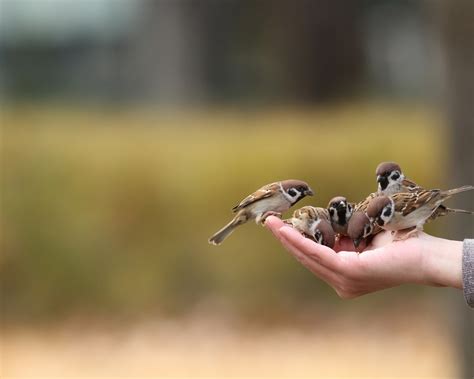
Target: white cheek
column 290, row 198
column 367, row 232
column 348, row 213
column 386, row 218
column 314, row 226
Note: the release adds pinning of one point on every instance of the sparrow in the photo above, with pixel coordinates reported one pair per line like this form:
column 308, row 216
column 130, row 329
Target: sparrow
column 362, row 205
column 271, row 199
column 340, row 212
column 391, row 180
column 408, row 210
column 360, row 228
column 314, row 223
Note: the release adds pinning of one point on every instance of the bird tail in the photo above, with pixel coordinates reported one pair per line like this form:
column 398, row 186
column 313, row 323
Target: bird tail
column 454, row 191
column 453, row 210
column 222, row 234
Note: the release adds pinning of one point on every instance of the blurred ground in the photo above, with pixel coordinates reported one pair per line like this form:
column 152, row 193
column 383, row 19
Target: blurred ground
column 386, row 343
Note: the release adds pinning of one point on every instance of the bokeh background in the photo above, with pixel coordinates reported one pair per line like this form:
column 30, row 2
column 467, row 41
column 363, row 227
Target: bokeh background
column 129, row 130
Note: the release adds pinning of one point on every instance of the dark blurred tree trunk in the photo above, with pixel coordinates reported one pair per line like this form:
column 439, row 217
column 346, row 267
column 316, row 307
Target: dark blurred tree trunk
column 318, row 43
column 457, row 22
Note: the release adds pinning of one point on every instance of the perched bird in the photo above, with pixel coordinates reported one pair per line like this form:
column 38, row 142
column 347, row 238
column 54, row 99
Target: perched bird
column 314, row 223
column 271, row 199
column 360, row 228
column 340, row 212
column 408, row 210
column 362, row 205
column 391, row 180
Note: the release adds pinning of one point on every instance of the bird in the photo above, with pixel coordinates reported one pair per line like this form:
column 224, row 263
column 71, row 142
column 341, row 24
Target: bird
column 314, row 223
column 391, row 180
column 408, row 210
column 340, row 212
column 361, row 228
column 271, row 199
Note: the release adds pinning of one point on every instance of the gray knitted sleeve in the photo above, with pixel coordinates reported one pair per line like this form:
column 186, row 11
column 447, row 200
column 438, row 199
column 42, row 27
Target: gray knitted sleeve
column 468, row 271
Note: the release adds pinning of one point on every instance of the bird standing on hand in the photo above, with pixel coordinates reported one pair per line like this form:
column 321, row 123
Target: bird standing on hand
column 408, row 210
column 361, row 228
column 391, row 180
column 314, row 223
column 271, row 199
column 340, row 212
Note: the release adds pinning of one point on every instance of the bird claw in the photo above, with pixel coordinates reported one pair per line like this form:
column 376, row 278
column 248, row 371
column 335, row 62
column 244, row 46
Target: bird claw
column 402, row 235
column 267, row 214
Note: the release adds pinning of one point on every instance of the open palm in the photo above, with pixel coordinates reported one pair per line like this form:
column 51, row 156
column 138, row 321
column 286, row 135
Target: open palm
column 382, row 264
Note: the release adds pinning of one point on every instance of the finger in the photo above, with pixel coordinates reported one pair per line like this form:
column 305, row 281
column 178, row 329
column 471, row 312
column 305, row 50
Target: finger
column 320, row 271
column 321, row 254
column 274, row 224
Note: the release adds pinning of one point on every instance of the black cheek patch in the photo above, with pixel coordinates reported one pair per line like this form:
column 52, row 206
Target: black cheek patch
column 387, row 212
column 331, row 212
column 383, row 182
column 292, row 192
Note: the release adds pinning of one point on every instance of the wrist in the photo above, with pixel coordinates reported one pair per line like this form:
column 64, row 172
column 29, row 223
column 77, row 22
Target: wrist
column 443, row 263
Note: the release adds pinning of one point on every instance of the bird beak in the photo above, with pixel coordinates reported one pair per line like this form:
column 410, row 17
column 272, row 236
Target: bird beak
column 356, row 242
column 309, row 192
column 379, row 178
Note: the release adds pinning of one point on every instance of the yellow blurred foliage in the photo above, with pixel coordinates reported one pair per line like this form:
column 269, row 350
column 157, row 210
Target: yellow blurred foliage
column 109, row 210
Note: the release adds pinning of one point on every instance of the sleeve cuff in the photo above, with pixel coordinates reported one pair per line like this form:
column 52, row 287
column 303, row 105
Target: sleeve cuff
column 468, row 271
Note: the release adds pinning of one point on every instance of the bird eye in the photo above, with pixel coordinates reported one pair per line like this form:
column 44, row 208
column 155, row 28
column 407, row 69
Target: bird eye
column 292, row 192
column 318, row 236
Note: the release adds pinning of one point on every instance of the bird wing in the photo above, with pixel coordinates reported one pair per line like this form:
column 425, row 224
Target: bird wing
column 407, row 202
column 262, row 193
column 411, row 186
column 362, row 205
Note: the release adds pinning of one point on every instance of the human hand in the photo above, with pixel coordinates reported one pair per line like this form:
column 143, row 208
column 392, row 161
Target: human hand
column 383, row 264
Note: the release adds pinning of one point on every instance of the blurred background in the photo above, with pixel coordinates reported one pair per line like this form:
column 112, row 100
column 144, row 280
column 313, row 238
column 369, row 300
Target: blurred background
column 131, row 128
